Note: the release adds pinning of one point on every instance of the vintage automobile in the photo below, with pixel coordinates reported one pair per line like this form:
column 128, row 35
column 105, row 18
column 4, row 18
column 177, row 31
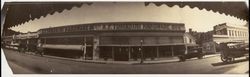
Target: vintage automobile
column 192, row 52
column 231, row 50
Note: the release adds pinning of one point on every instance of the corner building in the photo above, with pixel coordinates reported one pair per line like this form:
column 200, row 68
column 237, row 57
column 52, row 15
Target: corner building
column 118, row 41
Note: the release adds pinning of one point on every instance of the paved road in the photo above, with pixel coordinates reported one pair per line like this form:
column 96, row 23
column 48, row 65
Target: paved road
column 37, row 64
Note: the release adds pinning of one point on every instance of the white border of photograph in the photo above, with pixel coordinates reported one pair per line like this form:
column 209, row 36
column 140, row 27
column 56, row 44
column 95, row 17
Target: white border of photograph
column 6, row 71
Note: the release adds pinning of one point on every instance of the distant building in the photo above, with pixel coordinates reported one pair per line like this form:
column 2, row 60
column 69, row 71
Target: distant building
column 224, row 32
column 189, row 39
column 22, row 38
column 199, row 36
column 228, row 32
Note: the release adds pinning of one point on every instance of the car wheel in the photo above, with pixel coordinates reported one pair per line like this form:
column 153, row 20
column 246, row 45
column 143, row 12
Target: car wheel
column 182, row 58
column 224, row 59
column 200, row 57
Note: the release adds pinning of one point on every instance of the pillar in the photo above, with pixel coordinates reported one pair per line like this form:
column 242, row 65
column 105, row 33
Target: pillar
column 129, row 53
column 96, row 48
column 172, row 50
column 157, row 52
column 113, row 53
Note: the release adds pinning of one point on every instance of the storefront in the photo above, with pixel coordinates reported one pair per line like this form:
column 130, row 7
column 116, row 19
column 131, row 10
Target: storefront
column 118, row 41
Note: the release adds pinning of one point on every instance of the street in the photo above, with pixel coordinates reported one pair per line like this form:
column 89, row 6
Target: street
column 31, row 64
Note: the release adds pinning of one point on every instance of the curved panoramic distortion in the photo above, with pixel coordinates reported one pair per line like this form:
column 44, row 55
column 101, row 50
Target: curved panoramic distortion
column 84, row 37
column 20, row 12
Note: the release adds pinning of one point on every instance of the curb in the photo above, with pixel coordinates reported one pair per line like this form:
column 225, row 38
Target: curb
column 213, row 55
column 169, row 61
column 177, row 60
column 62, row 58
column 111, row 62
column 115, row 62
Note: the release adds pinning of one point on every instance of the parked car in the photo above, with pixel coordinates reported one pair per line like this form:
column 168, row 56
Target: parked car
column 192, row 52
column 232, row 50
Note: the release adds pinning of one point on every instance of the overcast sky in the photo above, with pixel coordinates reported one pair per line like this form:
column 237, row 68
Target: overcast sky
column 198, row 20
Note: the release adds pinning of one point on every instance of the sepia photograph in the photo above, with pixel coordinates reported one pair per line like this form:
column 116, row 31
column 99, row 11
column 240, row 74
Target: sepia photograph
column 126, row 37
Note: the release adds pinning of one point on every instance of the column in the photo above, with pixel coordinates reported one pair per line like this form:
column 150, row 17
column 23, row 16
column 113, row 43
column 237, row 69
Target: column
column 113, row 54
column 157, row 52
column 172, row 50
column 96, row 48
column 129, row 53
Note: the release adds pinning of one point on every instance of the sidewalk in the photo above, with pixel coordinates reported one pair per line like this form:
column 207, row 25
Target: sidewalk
column 157, row 61
column 148, row 61
column 174, row 59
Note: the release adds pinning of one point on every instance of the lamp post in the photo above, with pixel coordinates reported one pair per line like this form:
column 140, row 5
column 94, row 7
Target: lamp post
column 141, row 52
column 84, row 48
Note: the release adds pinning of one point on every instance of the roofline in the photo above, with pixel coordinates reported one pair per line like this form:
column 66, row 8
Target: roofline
column 135, row 22
column 229, row 25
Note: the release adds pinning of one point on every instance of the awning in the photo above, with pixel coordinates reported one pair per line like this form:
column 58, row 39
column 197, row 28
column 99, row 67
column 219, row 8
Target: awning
column 20, row 12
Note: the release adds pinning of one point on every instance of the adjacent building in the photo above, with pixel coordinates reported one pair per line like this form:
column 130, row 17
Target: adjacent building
column 225, row 32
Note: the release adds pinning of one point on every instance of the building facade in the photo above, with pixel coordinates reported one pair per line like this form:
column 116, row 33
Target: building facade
column 228, row 32
column 118, row 41
column 14, row 41
column 225, row 32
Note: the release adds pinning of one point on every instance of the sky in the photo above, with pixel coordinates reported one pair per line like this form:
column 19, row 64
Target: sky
column 198, row 20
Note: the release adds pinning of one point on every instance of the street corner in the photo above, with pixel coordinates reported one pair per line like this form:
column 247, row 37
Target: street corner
column 241, row 69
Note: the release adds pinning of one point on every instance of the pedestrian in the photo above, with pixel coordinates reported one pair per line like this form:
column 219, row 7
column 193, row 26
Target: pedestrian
column 21, row 47
column 40, row 49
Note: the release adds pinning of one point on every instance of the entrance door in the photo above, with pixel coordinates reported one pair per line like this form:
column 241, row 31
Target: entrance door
column 121, row 53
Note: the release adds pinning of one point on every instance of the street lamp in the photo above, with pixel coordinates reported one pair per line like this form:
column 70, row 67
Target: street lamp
column 141, row 52
column 84, row 49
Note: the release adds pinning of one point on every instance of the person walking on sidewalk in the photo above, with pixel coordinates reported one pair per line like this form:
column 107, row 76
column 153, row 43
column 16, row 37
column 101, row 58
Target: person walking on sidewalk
column 40, row 49
column 21, row 47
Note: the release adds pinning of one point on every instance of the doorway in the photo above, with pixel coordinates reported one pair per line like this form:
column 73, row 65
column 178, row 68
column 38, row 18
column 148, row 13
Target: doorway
column 121, row 53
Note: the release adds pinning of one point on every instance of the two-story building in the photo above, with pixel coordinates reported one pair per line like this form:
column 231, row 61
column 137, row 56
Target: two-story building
column 225, row 32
